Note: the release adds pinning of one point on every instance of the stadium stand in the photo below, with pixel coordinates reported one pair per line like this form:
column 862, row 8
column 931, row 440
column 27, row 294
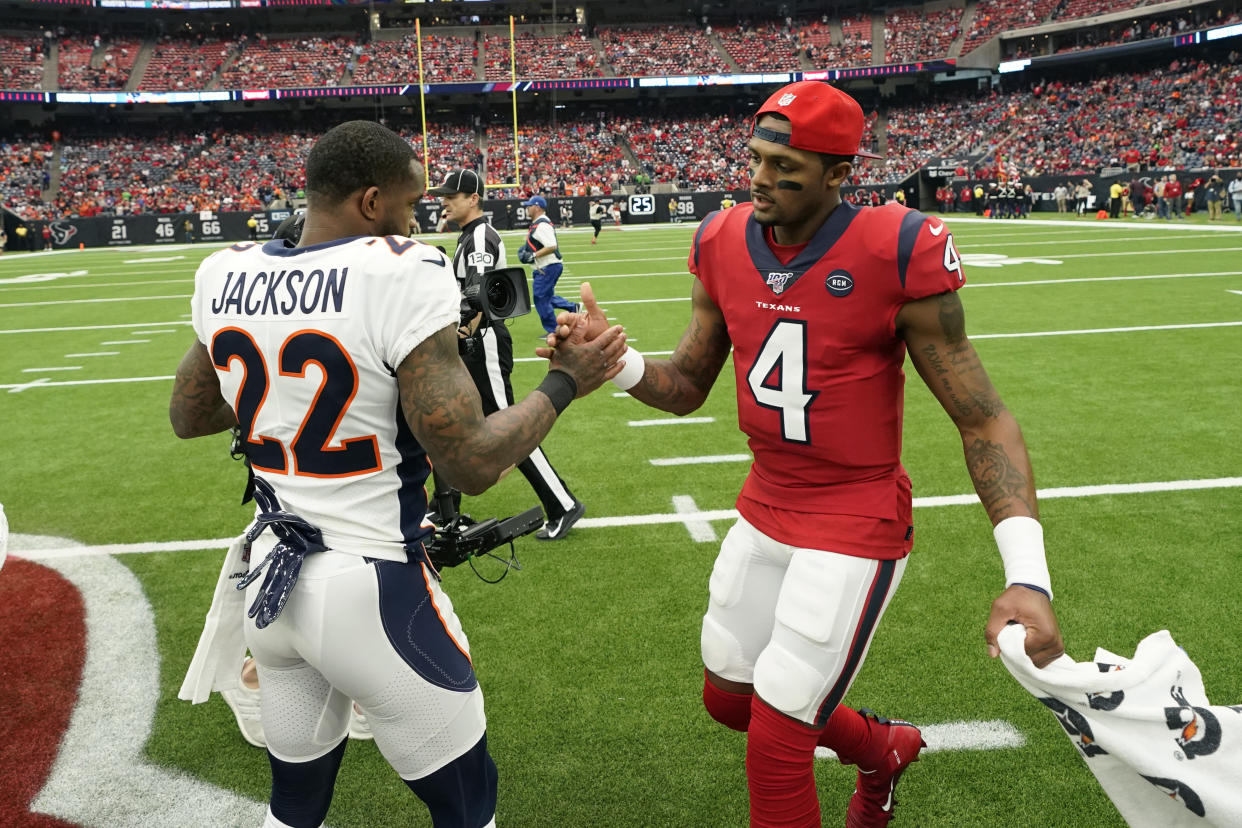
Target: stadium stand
column 24, row 165
column 446, row 59
column 911, row 35
column 766, row 46
column 94, row 63
column 660, row 50
column 265, row 62
column 705, row 152
column 21, row 61
column 1183, row 116
column 180, row 63
column 579, row 154
column 567, row 55
column 995, row 16
column 853, row 50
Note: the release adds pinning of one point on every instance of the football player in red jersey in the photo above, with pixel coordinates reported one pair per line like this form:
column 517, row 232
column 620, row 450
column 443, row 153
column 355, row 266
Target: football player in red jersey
column 820, row 301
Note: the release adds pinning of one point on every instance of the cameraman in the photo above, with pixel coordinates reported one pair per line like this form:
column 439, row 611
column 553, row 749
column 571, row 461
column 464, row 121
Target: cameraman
column 487, row 350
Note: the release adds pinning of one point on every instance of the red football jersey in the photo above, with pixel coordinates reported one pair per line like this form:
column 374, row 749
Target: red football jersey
column 819, row 367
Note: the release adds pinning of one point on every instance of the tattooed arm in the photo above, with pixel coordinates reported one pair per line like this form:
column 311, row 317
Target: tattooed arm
column 681, row 383
column 443, row 410
column 935, row 333
column 197, row 407
column 934, row 330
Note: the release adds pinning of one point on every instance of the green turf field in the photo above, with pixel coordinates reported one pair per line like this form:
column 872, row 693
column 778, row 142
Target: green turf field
column 1118, row 345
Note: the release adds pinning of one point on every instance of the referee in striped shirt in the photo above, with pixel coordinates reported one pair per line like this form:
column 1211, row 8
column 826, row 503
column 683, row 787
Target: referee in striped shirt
column 488, row 353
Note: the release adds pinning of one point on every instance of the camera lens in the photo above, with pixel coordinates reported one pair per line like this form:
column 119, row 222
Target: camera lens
column 500, row 297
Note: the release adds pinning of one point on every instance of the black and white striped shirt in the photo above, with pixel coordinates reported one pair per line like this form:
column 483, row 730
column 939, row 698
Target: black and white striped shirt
column 479, row 249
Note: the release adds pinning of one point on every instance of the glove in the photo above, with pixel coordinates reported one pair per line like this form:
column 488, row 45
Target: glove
column 526, row 255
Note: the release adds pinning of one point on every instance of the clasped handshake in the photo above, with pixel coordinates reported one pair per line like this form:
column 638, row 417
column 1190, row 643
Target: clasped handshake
column 585, row 346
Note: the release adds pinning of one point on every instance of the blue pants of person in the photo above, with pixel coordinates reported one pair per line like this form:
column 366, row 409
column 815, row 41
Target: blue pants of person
column 545, row 298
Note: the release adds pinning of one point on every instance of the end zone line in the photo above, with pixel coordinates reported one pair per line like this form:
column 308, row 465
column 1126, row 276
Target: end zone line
column 648, row 520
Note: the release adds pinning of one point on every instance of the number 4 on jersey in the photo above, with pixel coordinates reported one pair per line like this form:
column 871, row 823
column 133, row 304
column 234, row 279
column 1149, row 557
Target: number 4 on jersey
column 777, row 379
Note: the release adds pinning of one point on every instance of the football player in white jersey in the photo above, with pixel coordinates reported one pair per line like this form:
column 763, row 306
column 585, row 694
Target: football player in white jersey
column 338, row 360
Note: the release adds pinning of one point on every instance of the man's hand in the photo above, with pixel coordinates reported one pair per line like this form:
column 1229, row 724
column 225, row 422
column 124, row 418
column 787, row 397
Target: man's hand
column 590, row 362
column 1033, row 610
column 597, row 323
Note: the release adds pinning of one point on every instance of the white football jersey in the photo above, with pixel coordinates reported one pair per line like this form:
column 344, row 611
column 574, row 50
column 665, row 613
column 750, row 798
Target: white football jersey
column 306, row 342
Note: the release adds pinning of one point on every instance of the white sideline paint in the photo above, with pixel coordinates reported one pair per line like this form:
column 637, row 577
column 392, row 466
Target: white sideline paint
column 1081, row 331
column 990, row 734
column 190, row 281
column 93, row 301
column 20, row 547
column 92, row 327
column 701, row 531
column 1133, row 329
column 100, row 776
column 696, row 461
column 671, row 421
column 45, row 381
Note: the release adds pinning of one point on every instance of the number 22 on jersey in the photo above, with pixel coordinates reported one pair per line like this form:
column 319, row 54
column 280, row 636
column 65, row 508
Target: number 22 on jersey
column 777, row 379
column 312, row 456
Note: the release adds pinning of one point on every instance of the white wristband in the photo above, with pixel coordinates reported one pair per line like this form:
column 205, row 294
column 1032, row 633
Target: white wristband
column 1021, row 544
column 630, row 375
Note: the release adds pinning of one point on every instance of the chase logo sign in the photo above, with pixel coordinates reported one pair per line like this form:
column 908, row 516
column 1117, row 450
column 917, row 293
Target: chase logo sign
column 839, row 283
column 778, row 280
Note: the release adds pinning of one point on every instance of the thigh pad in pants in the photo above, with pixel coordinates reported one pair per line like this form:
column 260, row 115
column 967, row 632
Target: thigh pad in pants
column 827, row 612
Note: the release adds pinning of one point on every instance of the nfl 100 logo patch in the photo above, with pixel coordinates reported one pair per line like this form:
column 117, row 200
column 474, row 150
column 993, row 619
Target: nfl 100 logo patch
column 778, row 280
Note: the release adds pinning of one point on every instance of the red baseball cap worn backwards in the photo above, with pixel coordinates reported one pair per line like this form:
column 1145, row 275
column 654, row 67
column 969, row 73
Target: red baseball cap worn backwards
column 822, row 118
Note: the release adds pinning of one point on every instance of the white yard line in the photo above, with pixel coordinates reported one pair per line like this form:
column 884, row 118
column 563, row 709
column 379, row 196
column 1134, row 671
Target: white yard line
column 93, row 354
column 698, row 461
column 18, row 546
column 671, row 421
column 94, row 301
column 45, row 370
column 90, row 327
column 125, row 342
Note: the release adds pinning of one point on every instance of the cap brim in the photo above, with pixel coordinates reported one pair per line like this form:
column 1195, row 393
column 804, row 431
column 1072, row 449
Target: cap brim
column 864, row 154
column 443, row 191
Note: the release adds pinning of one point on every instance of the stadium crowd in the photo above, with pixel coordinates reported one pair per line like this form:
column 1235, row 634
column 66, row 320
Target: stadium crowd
column 661, row 50
column 911, row 34
column 1184, row 115
column 210, row 58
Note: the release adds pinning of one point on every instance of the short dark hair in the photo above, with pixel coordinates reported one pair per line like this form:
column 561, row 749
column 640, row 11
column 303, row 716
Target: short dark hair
column 356, row 155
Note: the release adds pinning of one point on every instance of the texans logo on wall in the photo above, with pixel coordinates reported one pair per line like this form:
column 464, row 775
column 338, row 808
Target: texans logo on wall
column 62, row 232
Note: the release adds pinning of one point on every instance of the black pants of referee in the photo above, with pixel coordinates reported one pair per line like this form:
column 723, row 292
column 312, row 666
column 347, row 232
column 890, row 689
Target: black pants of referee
column 490, row 362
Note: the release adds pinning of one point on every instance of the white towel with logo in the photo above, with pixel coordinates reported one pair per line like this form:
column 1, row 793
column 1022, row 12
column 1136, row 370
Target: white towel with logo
column 1165, row 756
column 222, row 645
